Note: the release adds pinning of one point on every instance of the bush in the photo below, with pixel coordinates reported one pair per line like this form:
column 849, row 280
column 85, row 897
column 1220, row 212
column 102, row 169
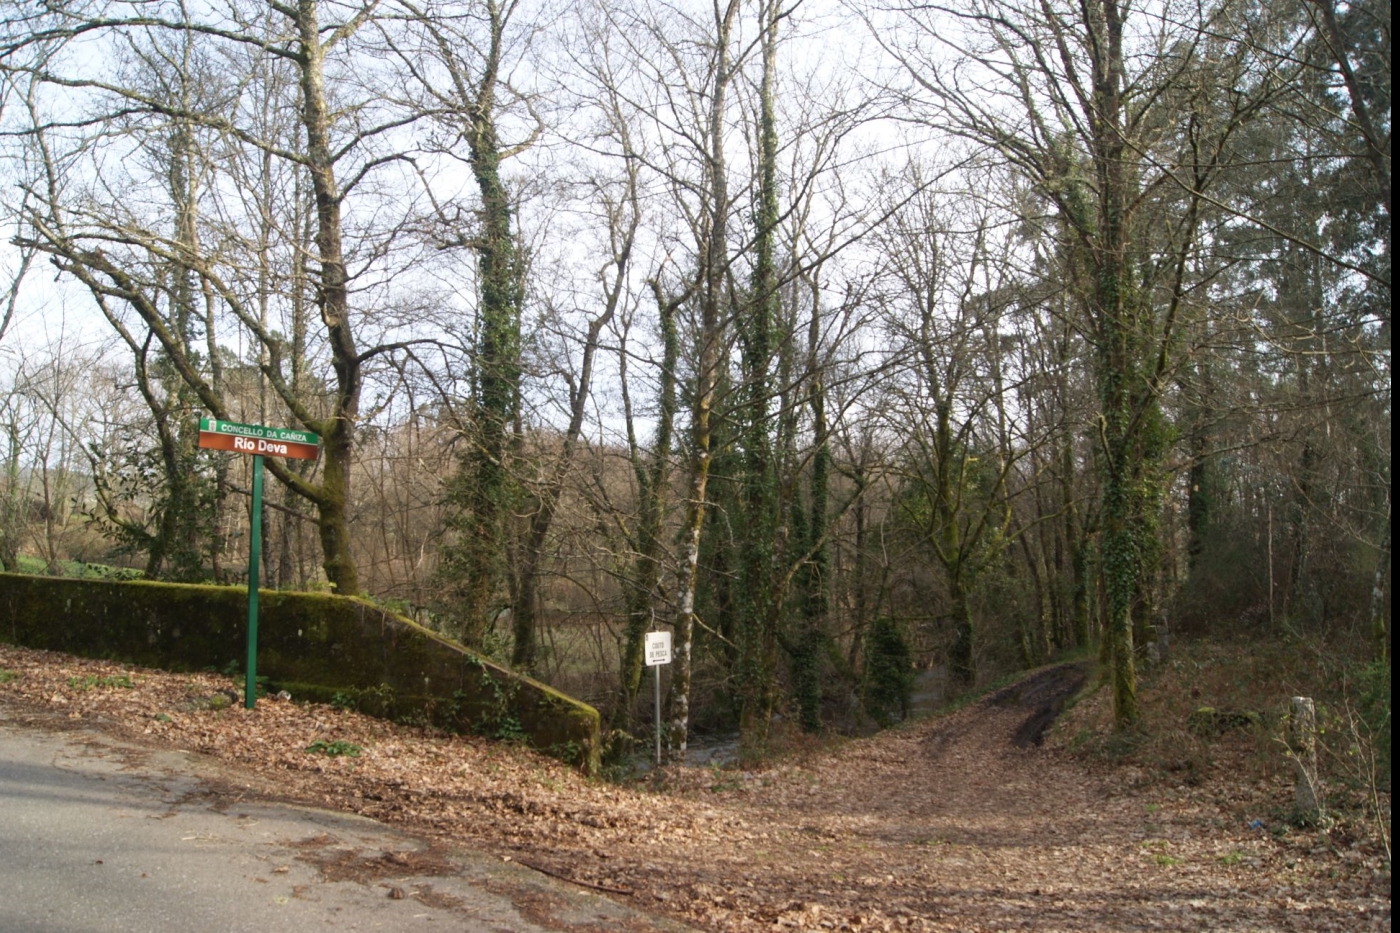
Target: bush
column 889, row 672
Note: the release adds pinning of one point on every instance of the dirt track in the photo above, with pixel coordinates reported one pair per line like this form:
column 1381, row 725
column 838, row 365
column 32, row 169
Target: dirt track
column 958, row 823
column 962, row 824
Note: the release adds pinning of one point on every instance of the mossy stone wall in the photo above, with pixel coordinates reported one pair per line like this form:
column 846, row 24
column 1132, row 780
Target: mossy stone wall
column 313, row 645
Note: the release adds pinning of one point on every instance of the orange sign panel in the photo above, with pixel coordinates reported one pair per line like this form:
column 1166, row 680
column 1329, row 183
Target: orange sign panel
column 256, row 439
column 267, row 447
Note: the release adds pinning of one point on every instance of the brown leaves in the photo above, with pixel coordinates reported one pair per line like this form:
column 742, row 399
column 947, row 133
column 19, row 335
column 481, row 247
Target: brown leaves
column 939, row 827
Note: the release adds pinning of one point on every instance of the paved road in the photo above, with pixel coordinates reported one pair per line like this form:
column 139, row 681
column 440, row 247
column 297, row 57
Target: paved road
column 103, row 836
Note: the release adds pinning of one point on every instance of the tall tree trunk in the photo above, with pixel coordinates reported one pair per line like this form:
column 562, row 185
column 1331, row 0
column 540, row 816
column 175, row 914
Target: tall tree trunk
column 497, row 378
column 714, row 271
column 758, row 606
column 1380, row 632
column 652, row 477
column 333, row 300
column 815, row 589
column 482, row 489
column 962, row 655
column 860, row 599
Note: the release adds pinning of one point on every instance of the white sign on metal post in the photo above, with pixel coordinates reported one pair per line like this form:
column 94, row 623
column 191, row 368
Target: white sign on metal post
column 658, row 652
column 658, row 648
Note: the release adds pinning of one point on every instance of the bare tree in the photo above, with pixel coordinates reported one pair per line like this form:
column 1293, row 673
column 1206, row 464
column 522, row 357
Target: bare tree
column 73, row 212
column 1117, row 119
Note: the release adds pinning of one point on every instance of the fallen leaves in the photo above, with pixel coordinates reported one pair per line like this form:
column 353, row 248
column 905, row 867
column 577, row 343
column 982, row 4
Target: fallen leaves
column 942, row 826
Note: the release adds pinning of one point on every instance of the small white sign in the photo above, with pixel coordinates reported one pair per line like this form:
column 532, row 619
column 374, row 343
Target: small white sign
column 658, row 648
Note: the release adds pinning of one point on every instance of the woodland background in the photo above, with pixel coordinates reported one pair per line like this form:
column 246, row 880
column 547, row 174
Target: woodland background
column 840, row 339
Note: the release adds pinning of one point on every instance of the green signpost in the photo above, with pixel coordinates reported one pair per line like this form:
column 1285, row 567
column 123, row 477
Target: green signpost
column 250, row 676
column 260, row 441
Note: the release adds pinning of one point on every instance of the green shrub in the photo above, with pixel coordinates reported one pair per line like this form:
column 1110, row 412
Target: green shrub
column 335, row 748
column 373, row 701
column 889, row 672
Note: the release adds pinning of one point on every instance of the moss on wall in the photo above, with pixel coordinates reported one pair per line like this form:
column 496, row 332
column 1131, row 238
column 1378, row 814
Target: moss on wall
column 316, row 646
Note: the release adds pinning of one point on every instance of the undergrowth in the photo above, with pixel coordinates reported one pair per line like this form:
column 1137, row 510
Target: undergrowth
column 1214, row 716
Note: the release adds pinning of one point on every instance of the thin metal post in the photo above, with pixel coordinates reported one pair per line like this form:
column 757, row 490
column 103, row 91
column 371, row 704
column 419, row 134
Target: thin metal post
column 250, row 683
column 657, row 668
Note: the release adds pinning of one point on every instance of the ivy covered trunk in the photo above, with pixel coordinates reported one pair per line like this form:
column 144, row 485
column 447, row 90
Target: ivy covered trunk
column 759, row 604
column 1121, row 540
column 1120, row 569
column 962, row 662
column 10, row 502
column 175, row 546
column 497, row 391
column 175, row 543
column 1124, row 338
column 482, row 490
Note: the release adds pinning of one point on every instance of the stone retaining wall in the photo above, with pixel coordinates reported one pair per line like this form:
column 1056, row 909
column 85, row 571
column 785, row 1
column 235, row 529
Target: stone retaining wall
column 316, row 646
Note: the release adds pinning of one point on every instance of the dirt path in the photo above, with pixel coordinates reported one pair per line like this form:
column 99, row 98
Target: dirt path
column 958, row 823
column 964, row 824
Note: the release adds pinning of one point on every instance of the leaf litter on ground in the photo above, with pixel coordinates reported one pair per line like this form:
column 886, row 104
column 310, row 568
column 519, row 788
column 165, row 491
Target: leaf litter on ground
column 942, row 825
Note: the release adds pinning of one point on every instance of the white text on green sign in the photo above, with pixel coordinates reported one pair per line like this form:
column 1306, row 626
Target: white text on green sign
column 258, row 431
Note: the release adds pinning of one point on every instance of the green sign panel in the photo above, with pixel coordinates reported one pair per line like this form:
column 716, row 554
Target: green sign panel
column 258, row 431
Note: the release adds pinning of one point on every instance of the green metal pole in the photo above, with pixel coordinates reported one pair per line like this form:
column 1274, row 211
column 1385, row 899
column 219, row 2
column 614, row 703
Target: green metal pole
column 250, row 688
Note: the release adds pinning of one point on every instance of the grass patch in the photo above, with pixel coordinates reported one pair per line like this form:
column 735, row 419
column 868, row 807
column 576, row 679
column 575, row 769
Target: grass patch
column 1156, row 850
column 92, row 682
column 7, row 676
